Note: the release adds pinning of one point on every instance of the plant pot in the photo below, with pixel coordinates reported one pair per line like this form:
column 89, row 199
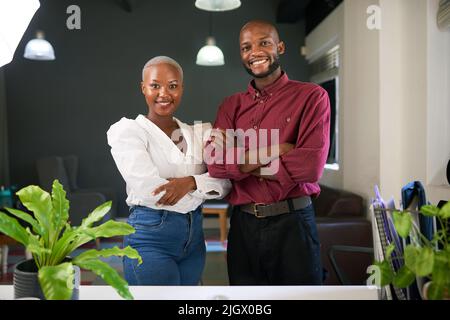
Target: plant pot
column 26, row 282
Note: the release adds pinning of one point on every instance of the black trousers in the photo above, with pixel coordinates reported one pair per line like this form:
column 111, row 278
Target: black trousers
column 279, row 250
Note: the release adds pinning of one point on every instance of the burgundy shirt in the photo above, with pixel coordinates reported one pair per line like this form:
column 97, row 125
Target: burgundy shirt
column 301, row 111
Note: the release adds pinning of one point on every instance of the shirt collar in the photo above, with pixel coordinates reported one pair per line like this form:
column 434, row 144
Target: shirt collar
column 152, row 128
column 271, row 88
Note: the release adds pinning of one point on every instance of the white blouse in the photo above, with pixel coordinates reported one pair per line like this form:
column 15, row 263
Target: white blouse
column 146, row 157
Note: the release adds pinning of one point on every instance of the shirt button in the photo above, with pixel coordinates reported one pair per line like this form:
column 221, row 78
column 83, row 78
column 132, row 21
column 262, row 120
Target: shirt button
column 255, row 127
column 288, row 119
column 261, row 101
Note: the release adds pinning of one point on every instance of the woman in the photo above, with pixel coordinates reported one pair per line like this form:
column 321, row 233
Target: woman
column 160, row 159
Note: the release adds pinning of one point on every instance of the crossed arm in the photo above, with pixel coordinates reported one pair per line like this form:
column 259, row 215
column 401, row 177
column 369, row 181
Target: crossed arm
column 129, row 150
column 301, row 162
column 256, row 162
column 175, row 189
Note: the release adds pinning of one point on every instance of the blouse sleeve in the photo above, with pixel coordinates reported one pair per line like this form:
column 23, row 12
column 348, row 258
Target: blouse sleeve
column 207, row 186
column 211, row 188
column 129, row 150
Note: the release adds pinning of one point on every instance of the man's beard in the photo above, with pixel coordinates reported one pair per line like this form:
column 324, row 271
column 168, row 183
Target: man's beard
column 272, row 67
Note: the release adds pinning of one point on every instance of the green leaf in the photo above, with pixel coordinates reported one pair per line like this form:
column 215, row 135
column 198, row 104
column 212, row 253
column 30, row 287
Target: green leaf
column 387, row 275
column 429, row 210
column 402, row 223
column 116, row 251
column 35, row 246
column 70, row 240
column 39, row 202
column 424, row 262
column 60, row 206
column 435, row 291
column 109, row 229
column 441, row 267
column 109, row 275
column 404, row 277
column 57, row 281
column 445, row 211
column 96, row 215
column 12, row 228
column 390, row 249
column 27, row 218
column 410, row 255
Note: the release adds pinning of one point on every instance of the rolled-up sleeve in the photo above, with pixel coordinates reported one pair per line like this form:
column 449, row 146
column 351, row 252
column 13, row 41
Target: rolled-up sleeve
column 211, row 188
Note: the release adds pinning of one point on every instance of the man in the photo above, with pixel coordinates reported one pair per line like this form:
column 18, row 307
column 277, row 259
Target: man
column 273, row 237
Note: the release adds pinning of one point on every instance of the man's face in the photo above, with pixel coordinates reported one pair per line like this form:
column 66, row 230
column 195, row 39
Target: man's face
column 162, row 88
column 260, row 50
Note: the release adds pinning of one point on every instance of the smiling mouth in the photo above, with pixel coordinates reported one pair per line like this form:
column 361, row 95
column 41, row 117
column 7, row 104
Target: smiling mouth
column 257, row 62
column 164, row 103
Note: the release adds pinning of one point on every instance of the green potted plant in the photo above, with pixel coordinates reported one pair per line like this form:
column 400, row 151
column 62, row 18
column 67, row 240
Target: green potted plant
column 421, row 258
column 51, row 240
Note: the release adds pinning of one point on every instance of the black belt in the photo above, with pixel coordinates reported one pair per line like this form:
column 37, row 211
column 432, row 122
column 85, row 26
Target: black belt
column 277, row 208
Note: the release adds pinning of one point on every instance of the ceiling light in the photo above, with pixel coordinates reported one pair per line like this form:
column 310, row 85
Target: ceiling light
column 39, row 48
column 210, row 55
column 217, row 5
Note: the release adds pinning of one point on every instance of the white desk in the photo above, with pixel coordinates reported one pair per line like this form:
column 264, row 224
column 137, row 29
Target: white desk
column 223, row 292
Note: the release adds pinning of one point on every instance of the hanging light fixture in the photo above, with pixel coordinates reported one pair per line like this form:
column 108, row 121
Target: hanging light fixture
column 15, row 16
column 39, row 48
column 210, row 54
column 217, row 5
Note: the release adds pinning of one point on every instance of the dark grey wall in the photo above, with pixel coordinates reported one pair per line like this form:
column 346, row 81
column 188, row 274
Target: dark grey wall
column 67, row 105
column 4, row 158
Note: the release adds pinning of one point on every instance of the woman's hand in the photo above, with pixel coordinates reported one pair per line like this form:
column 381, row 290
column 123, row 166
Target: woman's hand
column 175, row 189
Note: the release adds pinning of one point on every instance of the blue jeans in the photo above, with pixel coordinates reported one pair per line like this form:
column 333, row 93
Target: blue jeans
column 171, row 245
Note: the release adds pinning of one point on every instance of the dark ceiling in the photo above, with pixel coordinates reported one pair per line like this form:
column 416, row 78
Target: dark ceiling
column 291, row 11
column 288, row 11
column 312, row 12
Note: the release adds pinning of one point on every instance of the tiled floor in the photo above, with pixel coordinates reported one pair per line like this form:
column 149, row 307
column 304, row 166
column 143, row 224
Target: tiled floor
column 215, row 272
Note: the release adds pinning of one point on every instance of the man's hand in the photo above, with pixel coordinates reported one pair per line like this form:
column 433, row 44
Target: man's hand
column 280, row 150
column 175, row 189
column 285, row 148
column 220, row 138
column 257, row 173
column 269, row 174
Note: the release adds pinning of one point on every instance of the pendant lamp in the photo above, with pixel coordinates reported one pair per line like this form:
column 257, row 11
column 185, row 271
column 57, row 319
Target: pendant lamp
column 39, row 48
column 210, row 54
column 217, row 5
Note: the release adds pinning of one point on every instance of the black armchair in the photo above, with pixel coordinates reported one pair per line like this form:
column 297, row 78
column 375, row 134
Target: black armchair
column 82, row 200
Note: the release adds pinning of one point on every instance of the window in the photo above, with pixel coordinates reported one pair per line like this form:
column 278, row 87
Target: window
column 325, row 72
column 331, row 87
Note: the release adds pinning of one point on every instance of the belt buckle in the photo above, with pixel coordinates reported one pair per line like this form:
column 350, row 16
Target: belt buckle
column 256, row 212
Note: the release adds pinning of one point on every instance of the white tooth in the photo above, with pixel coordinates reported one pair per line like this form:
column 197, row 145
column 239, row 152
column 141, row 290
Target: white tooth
column 259, row 62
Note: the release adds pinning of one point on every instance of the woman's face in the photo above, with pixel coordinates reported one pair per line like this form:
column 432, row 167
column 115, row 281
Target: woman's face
column 162, row 88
